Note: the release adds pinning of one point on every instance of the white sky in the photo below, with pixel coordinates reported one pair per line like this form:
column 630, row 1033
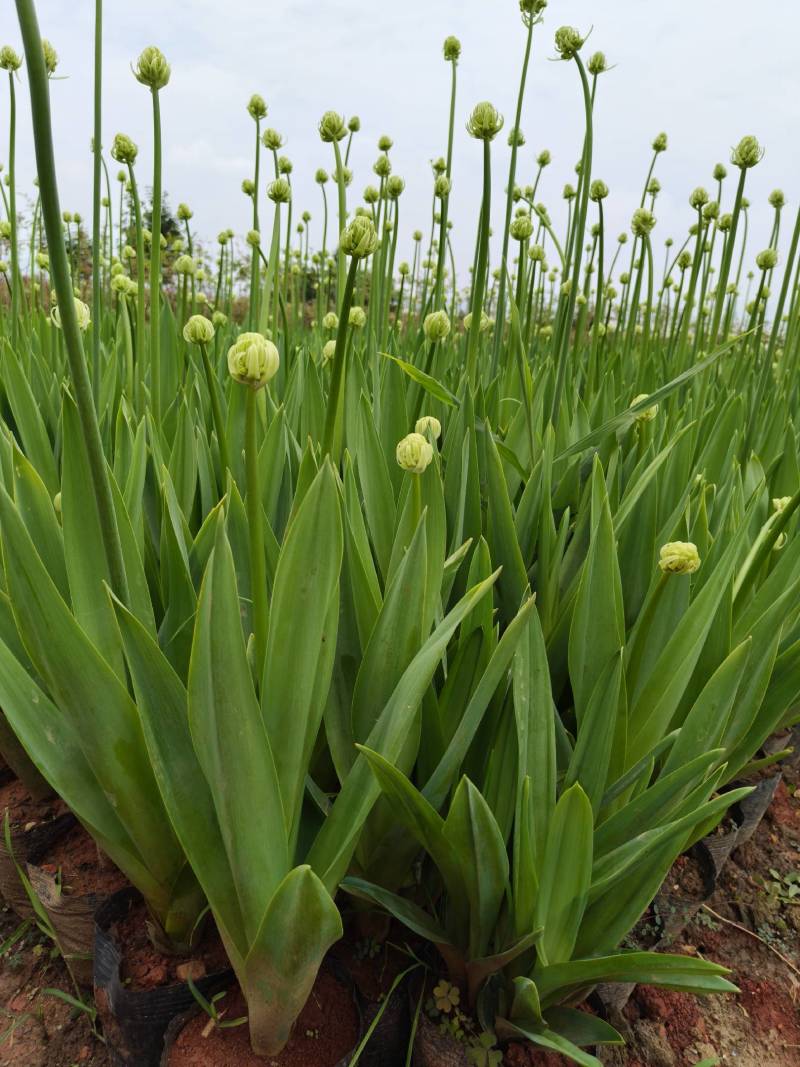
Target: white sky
column 706, row 72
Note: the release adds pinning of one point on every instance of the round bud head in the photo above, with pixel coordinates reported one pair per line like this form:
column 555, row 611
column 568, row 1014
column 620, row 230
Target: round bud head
column 404, row 270
column 357, row 318
column 417, row 235
column 767, row 259
column 568, row 42
column 483, row 325
column 331, row 321
column 544, row 159
column 257, row 107
column 306, row 217
column 597, row 64
column 371, row 195
column 272, row 140
column 184, row 212
column 198, row 330
column 50, row 57
column 725, row 222
column 384, row 143
column 152, row 69
column 382, row 166
column 648, row 414
column 569, row 192
column 249, row 187
column 332, row 127
column 119, row 282
column 81, row 313
column 642, row 222
column 428, row 425
column 219, row 319
column 654, row 187
column 279, row 191
column 660, row 143
column 253, row 360
column 452, row 49
column 362, row 211
column 354, row 125
column 536, row 253
column 711, row 210
column 624, row 277
column 521, row 228
column 123, row 150
column 516, row 138
column 253, row 238
column 598, row 190
column 284, row 165
column 532, row 7
column 485, row 122
column 184, row 265
column 698, row 197
column 748, row 153
column 442, row 186
column 328, row 351
column 720, row 172
column 121, row 176
column 9, row 60
column 436, row 326
column 43, row 261
column 359, row 239
column 414, row 453
column 679, row 557
column 222, row 237
column 395, row 186
column 777, row 199
column 321, row 177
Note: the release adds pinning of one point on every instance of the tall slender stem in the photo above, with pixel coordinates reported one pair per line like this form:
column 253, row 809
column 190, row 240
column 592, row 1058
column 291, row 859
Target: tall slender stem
column 97, row 148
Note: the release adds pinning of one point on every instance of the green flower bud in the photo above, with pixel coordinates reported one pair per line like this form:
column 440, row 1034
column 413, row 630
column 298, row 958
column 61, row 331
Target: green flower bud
column 521, row 228
column 357, row 319
column 536, row 253
column 485, row 322
column 597, row 64
column 436, row 326
column 598, row 190
column 777, row 199
column 485, row 122
column 442, row 186
column 82, row 313
column 248, row 187
column 748, row 153
column 184, row 212
column 272, row 140
column 152, row 69
column 50, row 57
column 185, row 265
column 767, row 259
column 9, row 60
column 684, row 260
column 360, row 239
column 648, row 414
column 394, row 187
column 371, row 195
column 384, row 143
column 198, row 330
column 253, row 238
column 414, row 453
column 382, row 166
column 328, row 351
column 568, row 42
column 698, row 197
column 404, row 270
column 780, row 503
column 279, row 191
column 429, row 425
column 119, row 283
column 516, row 137
column 544, row 159
column 257, row 107
column 720, row 173
column 354, row 125
column 452, row 49
column 679, row 557
column 532, row 7
column 253, row 360
column 347, row 175
column 321, row 177
column 331, row 321
column 332, row 127
column 569, row 192
column 660, row 143
column 219, row 319
column 417, row 235
column 642, row 222
column 123, row 150
column 284, row 165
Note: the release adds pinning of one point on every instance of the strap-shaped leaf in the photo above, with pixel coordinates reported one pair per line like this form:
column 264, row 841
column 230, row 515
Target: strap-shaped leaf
column 231, row 743
column 302, row 637
column 401, row 908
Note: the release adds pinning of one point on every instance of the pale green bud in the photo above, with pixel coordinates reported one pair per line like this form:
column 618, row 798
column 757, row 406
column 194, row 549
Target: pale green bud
column 360, row 239
column 332, row 127
column 253, row 360
column 357, row 319
column 485, row 122
column 331, row 321
column 648, row 414
column 198, row 330
column 82, row 314
column 679, row 557
column 414, row 453
column 152, row 69
column 436, row 326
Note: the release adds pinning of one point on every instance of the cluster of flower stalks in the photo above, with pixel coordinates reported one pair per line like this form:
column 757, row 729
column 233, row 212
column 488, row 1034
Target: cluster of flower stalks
column 326, row 582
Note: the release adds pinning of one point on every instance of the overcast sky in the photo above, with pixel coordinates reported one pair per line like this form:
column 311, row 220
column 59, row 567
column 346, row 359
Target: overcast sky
column 705, row 71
